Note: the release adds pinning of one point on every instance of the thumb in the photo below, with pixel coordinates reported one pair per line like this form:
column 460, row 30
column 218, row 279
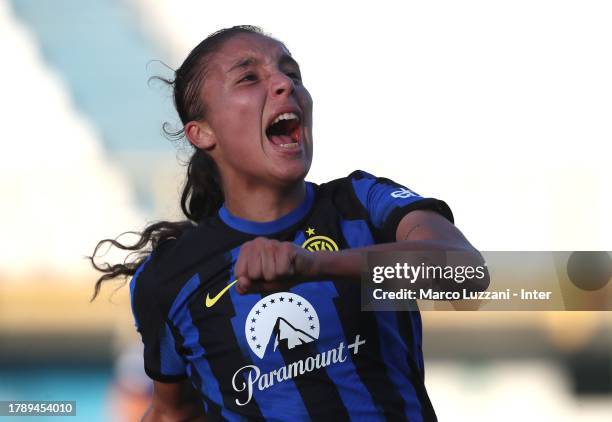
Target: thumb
column 243, row 285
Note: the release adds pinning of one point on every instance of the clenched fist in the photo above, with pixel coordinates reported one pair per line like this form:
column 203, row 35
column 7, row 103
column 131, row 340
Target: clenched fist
column 267, row 264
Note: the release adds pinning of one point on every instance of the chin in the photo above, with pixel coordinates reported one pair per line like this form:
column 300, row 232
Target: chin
column 290, row 173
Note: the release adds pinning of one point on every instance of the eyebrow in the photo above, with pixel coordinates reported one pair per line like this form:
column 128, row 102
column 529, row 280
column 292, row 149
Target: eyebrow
column 242, row 63
column 249, row 61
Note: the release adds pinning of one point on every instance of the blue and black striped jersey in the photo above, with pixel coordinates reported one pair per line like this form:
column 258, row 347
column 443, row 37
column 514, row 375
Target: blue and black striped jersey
column 305, row 353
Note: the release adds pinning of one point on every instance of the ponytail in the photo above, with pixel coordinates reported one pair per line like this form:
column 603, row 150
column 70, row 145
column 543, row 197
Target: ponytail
column 202, row 197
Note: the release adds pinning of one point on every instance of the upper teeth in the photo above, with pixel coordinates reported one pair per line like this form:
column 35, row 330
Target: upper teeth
column 285, row 116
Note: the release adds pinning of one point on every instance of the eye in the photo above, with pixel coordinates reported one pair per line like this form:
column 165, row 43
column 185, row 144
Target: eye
column 249, row 77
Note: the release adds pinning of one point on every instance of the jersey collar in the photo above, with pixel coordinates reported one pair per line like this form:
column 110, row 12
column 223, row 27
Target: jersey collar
column 269, row 227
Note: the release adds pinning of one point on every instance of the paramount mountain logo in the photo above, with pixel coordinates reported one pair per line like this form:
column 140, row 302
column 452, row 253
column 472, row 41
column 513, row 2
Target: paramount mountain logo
column 280, row 320
column 284, row 321
column 289, row 336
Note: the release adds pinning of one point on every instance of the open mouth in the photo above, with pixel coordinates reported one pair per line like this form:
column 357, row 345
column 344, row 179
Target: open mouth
column 285, row 130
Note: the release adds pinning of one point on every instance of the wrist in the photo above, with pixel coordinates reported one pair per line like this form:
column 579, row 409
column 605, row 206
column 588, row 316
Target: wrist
column 343, row 265
column 319, row 266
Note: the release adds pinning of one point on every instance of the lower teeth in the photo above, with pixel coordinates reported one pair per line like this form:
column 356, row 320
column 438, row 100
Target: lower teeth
column 291, row 145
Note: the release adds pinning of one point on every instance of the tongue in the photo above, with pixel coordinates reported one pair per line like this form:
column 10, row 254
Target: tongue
column 280, row 139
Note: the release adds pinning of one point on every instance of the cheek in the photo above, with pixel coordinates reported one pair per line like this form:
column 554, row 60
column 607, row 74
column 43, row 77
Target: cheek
column 306, row 103
column 239, row 120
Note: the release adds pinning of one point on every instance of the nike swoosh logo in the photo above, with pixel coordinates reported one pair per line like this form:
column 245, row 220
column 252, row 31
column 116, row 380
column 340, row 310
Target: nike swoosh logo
column 211, row 301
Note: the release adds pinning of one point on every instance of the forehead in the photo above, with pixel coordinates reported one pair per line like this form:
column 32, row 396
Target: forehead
column 257, row 47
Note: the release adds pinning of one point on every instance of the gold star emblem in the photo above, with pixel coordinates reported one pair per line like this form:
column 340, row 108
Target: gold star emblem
column 310, row 231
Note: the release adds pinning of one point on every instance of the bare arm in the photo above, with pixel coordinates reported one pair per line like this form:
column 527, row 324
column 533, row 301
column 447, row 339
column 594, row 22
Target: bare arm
column 419, row 230
column 424, row 231
column 266, row 264
column 173, row 402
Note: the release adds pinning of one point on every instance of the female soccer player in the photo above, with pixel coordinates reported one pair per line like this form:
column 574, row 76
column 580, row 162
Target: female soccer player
column 250, row 309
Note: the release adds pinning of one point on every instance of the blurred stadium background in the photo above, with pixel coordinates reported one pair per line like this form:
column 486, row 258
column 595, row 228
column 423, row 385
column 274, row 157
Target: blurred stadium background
column 501, row 109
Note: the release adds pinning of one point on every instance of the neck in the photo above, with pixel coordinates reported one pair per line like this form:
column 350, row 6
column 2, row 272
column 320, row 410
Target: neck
column 262, row 203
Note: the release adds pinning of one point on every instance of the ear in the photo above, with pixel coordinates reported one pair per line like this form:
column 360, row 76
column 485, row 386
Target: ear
column 200, row 134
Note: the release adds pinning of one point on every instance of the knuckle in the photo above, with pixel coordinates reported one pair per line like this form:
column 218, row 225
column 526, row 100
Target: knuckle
column 239, row 267
column 253, row 272
column 269, row 248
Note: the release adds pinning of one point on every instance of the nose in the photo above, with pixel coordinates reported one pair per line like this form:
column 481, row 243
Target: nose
column 281, row 84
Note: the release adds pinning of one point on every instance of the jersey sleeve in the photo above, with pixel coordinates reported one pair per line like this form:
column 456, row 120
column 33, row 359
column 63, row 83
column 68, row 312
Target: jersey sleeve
column 387, row 202
column 162, row 362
